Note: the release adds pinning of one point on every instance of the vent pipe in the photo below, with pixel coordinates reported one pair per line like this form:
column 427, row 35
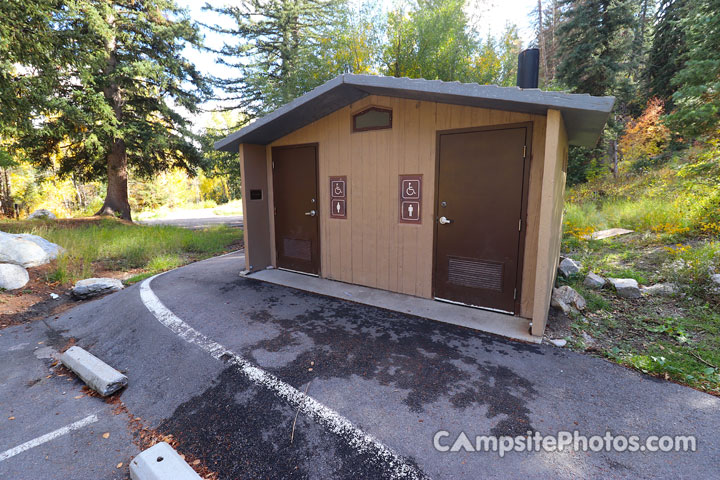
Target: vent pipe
column 528, row 68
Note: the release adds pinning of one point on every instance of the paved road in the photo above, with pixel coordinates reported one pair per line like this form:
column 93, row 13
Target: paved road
column 395, row 378
column 199, row 221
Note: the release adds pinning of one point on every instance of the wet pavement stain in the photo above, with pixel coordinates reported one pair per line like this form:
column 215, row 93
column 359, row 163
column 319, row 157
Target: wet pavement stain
column 240, row 430
column 430, row 360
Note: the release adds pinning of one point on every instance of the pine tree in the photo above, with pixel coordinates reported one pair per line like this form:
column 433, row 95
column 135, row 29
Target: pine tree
column 697, row 99
column 29, row 53
column 117, row 103
column 595, row 37
column 271, row 45
column 668, row 50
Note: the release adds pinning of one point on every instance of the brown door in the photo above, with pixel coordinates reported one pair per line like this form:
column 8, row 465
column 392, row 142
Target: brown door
column 481, row 177
column 295, row 194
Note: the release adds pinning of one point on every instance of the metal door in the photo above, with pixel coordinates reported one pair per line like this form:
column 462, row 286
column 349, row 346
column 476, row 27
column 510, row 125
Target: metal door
column 295, row 195
column 481, row 179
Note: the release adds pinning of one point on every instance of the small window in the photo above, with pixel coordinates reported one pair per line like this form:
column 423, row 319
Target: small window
column 373, row 118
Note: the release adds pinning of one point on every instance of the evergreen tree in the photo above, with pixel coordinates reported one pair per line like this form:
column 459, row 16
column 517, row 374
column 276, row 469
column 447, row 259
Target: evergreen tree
column 29, row 51
column 595, row 37
column 117, row 102
column 668, row 50
column 697, row 99
column 271, row 45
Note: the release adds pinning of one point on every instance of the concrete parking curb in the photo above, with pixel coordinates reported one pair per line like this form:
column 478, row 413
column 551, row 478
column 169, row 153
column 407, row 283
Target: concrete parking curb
column 97, row 374
column 161, row 462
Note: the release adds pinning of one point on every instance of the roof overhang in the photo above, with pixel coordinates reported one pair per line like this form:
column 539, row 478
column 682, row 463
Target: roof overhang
column 584, row 115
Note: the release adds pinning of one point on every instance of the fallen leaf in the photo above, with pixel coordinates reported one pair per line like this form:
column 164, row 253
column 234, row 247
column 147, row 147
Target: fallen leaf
column 106, row 435
column 11, row 418
column 119, row 465
column 79, row 396
column 309, row 369
column 196, row 462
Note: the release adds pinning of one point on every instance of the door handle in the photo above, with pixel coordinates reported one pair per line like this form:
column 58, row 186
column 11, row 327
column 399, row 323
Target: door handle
column 444, row 221
column 311, row 213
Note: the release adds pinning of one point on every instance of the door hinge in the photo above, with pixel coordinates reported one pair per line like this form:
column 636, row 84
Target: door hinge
column 524, row 151
column 273, row 164
column 515, row 294
column 275, row 211
column 520, row 225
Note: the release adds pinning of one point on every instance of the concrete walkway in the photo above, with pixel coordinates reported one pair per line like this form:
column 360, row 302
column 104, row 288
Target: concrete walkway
column 397, row 378
column 484, row 320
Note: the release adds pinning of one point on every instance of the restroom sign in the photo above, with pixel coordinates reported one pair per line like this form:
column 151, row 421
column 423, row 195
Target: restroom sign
column 410, row 199
column 338, row 197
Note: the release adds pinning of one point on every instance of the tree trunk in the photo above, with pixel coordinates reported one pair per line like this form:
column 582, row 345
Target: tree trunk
column 614, row 151
column 6, row 200
column 116, row 199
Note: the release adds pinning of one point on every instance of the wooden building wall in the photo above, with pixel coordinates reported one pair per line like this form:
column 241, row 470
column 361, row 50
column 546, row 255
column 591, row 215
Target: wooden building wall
column 370, row 247
column 550, row 215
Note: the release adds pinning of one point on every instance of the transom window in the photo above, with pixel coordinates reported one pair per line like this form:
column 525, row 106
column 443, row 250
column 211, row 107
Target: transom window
column 373, row 118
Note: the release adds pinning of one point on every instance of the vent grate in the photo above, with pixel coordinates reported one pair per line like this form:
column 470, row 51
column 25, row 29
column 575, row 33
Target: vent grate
column 466, row 272
column 300, row 249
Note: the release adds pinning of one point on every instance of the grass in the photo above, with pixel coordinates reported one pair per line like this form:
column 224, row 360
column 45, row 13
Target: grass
column 675, row 213
column 233, row 207
column 97, row 245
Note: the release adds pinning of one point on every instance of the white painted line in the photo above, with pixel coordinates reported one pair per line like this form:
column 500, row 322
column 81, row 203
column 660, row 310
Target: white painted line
column 47, row 437
column 362, row 442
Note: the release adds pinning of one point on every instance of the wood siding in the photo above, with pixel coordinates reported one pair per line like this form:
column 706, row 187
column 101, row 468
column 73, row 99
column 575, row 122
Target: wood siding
column 550, row 215
column 370, row 247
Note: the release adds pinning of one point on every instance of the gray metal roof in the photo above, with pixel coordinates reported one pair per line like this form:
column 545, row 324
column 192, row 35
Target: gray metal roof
column 584, row 115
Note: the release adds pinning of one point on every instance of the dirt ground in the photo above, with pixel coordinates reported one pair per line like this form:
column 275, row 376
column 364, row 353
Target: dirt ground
column 34, row 301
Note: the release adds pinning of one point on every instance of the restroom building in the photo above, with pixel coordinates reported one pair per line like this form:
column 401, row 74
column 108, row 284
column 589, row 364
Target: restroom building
column 439, row 190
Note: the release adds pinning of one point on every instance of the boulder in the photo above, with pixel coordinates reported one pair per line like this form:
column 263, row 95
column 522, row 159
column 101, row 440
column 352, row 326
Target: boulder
column 27, row 250
column 52, row 249
column 568, row 267
column 13, row 276
column 661, row 289
column 42, row 213
column 566, row 298
column 560, row 305
column 21, row 251
column 558, row 342
column 594, row 281
column 91, row 287
column 626, row 287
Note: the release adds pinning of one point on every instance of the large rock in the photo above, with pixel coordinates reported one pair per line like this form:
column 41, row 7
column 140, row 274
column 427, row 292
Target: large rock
column 566, row 298
column 21, row 251
column 52, row 249
column 13, row 276
column 27, row 250
column 626, row 287
column 91, row 287
column 661, row 289
column 42, row 213
column 594, row 281
column 568, row 267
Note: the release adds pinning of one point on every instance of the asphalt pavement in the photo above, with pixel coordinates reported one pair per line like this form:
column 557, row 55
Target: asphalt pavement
column 225, row 366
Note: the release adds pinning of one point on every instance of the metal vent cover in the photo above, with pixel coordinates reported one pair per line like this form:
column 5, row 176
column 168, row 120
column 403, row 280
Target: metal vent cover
column 300, row 249
column 473, row 273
